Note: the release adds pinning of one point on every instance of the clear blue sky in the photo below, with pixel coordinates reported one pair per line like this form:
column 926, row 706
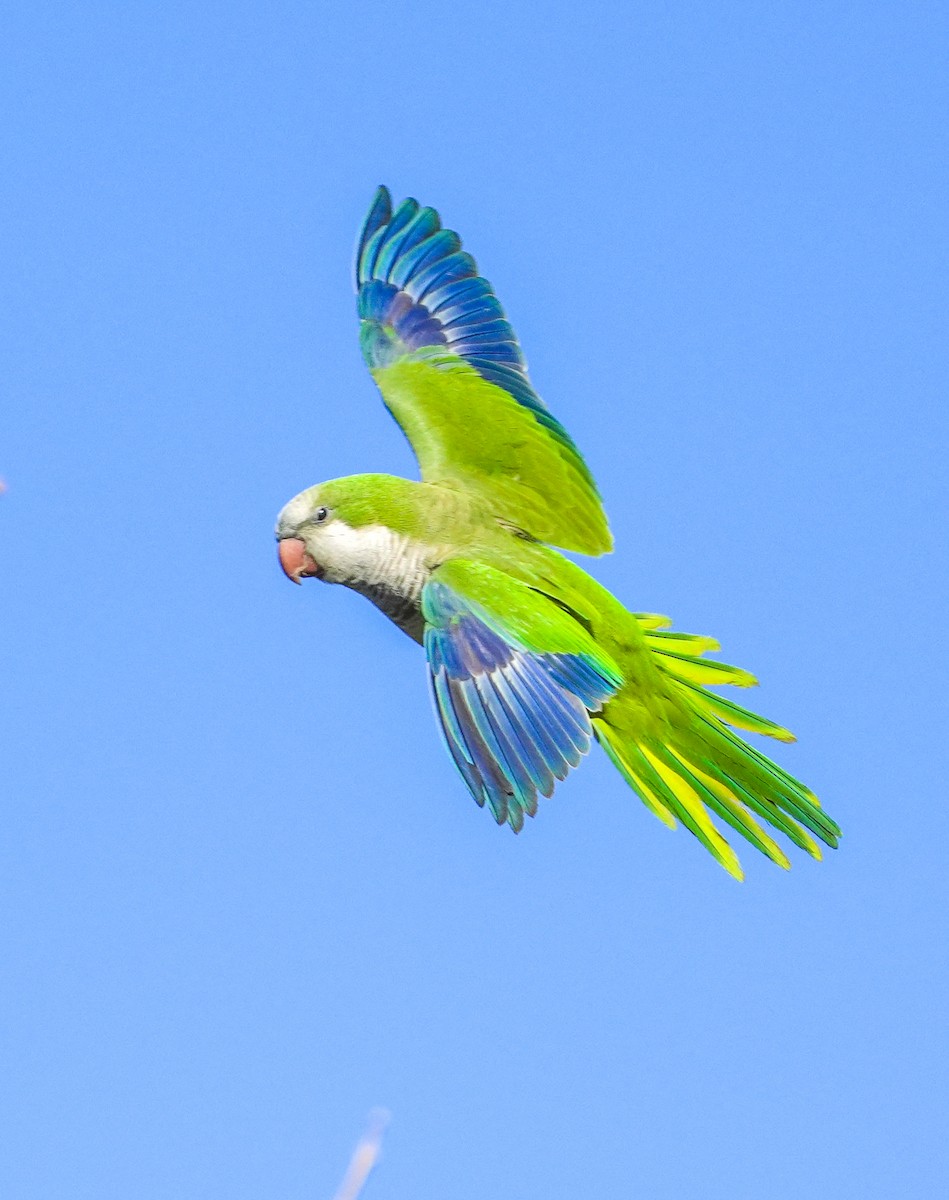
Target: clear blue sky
column 243, row 896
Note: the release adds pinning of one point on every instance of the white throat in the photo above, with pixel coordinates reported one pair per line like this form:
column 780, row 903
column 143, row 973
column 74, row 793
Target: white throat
column 387, row 567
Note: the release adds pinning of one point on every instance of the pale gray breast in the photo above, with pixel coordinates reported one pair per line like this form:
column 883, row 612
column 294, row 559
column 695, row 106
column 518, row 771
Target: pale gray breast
column 393, row 569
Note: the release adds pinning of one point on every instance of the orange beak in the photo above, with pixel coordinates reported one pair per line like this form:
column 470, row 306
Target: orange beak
column 296, row 562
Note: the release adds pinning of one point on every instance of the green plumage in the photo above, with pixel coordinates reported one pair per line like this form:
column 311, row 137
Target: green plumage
column 669, row 736
column 530, row 657
column 470, row 433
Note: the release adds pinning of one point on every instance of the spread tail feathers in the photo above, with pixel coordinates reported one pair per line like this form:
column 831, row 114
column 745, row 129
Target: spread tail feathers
column 692, row 764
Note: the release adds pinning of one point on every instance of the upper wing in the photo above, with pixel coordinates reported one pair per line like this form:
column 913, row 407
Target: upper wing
column 515, row 679
column 452, row 374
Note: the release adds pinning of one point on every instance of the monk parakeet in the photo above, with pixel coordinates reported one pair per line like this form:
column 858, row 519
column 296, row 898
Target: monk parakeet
column 529, row 658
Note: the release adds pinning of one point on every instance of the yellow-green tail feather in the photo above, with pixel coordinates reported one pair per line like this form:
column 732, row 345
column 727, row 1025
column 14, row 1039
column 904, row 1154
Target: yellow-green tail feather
column 688, row 763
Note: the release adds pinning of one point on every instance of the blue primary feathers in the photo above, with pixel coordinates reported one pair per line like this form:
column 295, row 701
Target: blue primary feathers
column 420, row 295
column 515, row 720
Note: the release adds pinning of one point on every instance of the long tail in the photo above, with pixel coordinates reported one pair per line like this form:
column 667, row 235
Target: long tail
column 689, row 762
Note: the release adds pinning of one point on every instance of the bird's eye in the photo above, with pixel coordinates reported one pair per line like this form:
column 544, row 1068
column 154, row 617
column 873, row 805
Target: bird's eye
column 321, row 514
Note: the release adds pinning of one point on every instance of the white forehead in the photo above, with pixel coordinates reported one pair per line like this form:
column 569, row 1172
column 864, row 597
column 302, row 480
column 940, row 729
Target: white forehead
column 297, row 510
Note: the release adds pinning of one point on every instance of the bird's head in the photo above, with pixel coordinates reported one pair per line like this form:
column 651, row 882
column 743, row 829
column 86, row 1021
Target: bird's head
column 302, row 544
column 331, row 531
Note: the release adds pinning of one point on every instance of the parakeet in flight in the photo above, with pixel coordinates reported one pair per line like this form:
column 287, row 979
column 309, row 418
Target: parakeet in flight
column 529, row 658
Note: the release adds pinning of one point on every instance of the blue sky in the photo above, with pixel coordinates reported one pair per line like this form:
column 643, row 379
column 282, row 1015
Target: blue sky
column 243, row 897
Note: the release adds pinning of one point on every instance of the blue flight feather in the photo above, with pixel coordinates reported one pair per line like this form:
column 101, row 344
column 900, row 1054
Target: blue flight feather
column 515, row 720
column 418, row 289
column 536, row 754
column 481, row 704
column 532, row 719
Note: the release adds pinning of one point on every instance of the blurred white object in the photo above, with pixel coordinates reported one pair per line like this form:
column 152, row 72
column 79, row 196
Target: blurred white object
column 364, row 1156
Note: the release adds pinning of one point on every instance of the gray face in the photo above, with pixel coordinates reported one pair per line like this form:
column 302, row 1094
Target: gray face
column 315, row 542
column 297, row 537
column 297, row 512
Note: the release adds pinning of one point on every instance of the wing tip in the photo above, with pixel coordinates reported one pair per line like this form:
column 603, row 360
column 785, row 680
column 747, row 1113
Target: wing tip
column 379, row 214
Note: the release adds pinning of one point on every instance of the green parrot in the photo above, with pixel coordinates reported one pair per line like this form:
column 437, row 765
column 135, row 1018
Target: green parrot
column 529, row 658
